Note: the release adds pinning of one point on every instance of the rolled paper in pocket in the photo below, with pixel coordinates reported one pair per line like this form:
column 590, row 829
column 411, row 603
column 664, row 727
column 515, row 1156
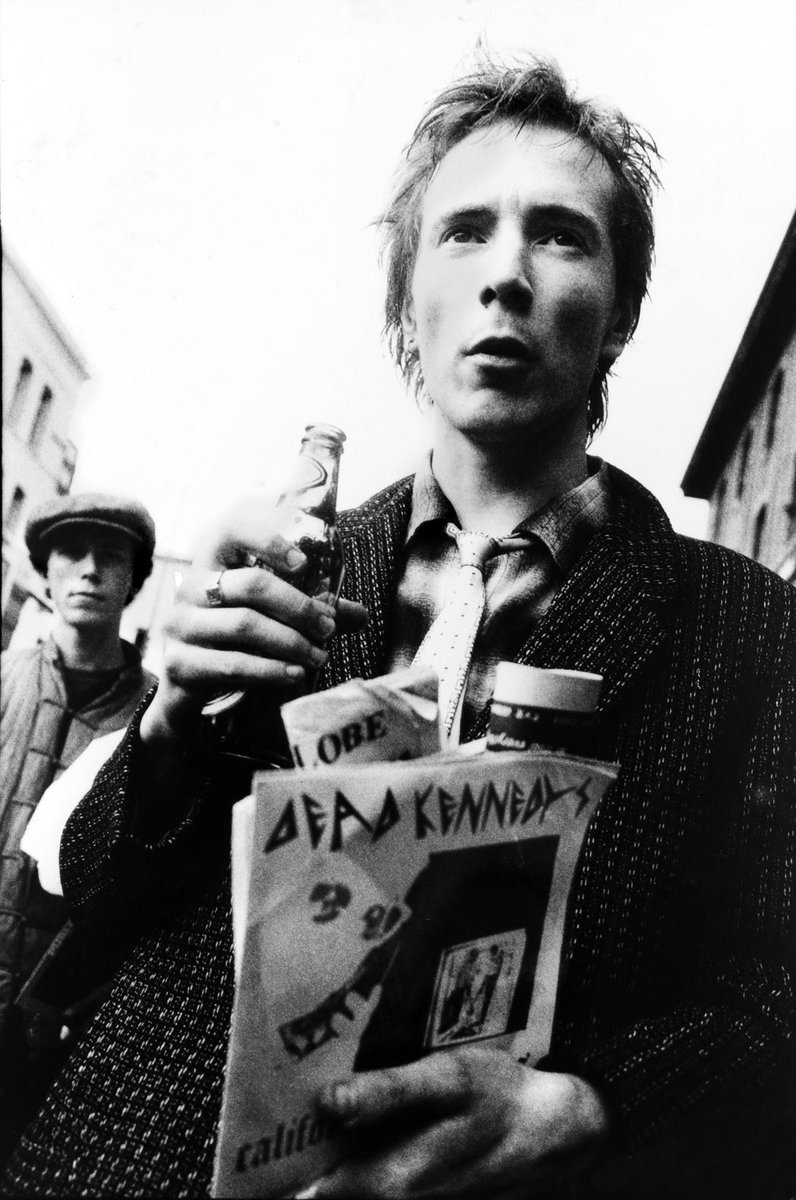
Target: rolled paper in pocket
column 376, row 720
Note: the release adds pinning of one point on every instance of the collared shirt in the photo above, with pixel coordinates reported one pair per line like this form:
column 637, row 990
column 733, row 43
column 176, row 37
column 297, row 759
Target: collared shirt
column 520, row 585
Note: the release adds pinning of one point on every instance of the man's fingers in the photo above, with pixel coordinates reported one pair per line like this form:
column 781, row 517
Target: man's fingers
column 351, row 616
column 197, row 668
column 274, row 553
column 249, row 531
column 259, row 590
column 437, row 1084
column 245, row 630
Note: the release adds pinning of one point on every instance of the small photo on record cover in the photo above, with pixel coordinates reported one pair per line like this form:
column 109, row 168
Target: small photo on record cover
column 474, row 989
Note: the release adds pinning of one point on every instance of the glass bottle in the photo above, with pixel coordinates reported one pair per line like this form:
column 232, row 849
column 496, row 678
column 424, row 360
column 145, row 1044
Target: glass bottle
column 246, row 725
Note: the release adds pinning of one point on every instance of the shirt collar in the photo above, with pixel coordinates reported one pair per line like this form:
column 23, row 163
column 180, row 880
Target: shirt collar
column 429, row 502
column 564, row 525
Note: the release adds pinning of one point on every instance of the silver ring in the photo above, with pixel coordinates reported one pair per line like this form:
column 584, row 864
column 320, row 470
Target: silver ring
column 251, row 560
column 213, row 593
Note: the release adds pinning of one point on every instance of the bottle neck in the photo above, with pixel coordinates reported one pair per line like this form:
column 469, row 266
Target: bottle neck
column 312, row 486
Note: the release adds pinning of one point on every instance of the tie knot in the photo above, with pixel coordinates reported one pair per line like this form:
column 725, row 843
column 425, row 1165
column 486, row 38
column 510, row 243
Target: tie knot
column 474, row 548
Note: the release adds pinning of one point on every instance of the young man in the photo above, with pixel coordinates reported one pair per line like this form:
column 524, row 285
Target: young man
column 519, row 239
column 95, row 552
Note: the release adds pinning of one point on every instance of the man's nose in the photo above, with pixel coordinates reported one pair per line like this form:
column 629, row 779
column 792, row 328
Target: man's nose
column 89, row 564
column 508, row 274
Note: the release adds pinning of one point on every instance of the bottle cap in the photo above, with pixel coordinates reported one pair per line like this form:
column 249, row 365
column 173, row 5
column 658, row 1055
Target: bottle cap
column 322, row 429
column 568, row 691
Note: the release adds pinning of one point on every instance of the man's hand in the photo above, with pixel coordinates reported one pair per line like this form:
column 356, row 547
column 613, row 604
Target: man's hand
column 465, row 1122
column 265, row 634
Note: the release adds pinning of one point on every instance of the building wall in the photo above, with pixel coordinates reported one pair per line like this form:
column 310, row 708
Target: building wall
column 753, row 506
column 39, row 461
column 42, row 375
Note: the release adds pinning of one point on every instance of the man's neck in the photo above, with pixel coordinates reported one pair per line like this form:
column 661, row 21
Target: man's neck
column 88, row 649
column 493, row 488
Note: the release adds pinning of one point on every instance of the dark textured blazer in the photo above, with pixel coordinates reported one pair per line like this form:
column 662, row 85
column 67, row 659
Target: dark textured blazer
column 676, row 993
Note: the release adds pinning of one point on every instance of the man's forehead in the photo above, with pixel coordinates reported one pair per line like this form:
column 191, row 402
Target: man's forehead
column 541, row 161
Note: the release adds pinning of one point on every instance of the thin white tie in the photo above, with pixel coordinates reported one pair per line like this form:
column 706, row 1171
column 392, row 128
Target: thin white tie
column 448, row 645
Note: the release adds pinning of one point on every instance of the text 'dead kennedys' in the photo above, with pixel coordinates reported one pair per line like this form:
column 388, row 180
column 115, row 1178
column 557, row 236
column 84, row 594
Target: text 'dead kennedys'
column 433, row 810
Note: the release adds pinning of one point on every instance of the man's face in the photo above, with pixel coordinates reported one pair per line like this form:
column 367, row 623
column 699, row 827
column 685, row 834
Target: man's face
column 90, row 574
column 513, row 299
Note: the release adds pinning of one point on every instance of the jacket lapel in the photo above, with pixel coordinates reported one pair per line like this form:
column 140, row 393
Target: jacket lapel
column 612, row 614
column 373, row 537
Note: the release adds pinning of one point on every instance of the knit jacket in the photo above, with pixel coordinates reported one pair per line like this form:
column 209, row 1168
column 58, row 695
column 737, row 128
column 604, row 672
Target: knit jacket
column 676, row 994
column 40, row 736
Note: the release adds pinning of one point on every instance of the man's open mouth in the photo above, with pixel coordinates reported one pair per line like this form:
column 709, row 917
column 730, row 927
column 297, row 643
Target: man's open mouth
column 505, row 349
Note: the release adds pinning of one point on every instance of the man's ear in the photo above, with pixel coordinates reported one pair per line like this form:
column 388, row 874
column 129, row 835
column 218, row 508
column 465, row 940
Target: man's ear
column 409, row 325
column 618, row 332
column 45, row 574
column 411, row 355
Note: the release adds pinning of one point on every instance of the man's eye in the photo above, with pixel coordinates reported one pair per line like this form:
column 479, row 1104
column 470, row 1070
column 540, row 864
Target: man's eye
column 460, row 235
column 73, row 550
column 564, row 237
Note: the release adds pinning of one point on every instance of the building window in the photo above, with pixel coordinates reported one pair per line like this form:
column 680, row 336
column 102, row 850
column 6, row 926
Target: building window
column 760, row 525
column 21, row 386
column 15, row 507
column 743, row 464
column 11, row 610
column 773, row 407
column 67, row 471
column 42, row 416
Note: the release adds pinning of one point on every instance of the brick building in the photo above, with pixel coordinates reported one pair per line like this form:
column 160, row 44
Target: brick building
column 745, row 460
column 43, row 372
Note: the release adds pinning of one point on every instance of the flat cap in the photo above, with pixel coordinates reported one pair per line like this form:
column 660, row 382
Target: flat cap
column 89, row 508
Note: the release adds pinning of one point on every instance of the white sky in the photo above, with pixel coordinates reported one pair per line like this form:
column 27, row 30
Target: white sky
column 192, row 183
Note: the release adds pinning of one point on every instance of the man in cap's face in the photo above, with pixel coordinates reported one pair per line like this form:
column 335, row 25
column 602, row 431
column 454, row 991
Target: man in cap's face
column 90, row 580
column 94, row 552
